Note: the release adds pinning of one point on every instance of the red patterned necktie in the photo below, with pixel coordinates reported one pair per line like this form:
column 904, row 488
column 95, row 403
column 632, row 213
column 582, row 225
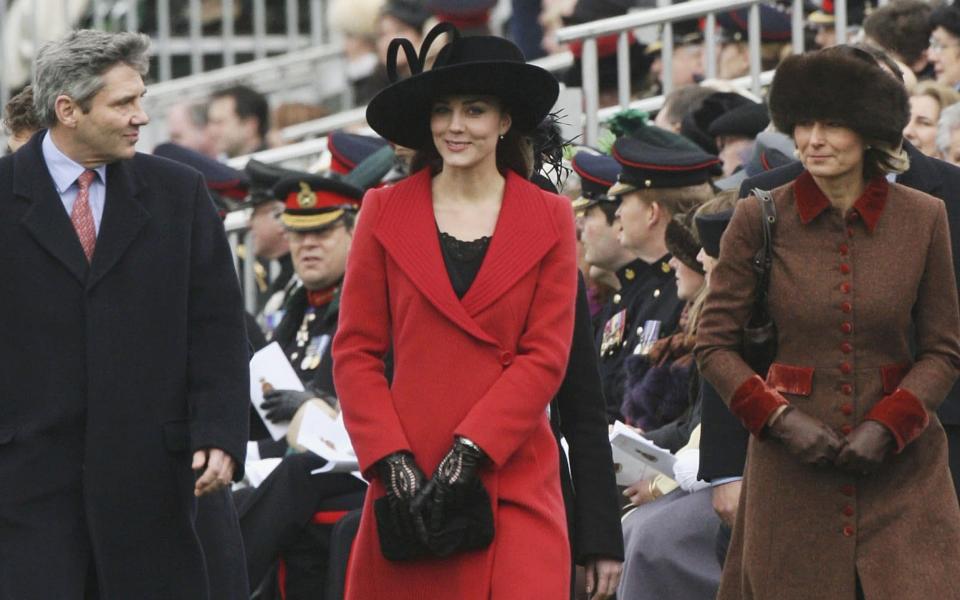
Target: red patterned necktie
column 82, row 216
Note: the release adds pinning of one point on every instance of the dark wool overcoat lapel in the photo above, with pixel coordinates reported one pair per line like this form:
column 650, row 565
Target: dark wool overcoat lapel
column 49, row 223
column 523, row 235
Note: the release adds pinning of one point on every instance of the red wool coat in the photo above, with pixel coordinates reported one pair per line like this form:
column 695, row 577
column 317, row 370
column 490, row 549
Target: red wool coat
column 484, row 366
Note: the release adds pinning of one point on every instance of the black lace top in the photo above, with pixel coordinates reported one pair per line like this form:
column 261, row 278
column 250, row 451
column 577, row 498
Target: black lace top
column 463, row 260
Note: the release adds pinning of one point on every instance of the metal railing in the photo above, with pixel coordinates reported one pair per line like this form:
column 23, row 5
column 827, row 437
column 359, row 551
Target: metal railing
column 190, row 46
column 315, row 73
column 621, row 26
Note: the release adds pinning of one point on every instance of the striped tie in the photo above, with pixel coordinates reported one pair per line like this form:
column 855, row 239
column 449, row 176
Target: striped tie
column 82, row 216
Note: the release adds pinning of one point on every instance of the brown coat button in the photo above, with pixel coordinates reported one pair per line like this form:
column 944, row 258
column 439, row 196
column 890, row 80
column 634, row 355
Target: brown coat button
column 846, row 409
column 846, row 327
column 845, row 368
column 845, row 268
column 506, row 358
column 845, row 287
column 848, row 530
column 846, row 347
column 846, row 389
column 846, row 307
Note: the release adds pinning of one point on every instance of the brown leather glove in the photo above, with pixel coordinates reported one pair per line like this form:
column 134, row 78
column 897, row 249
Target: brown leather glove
column 867, row 446
column 806, row 438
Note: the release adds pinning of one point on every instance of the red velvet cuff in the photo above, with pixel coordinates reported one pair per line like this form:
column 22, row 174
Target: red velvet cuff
column 903, row 414
column 754, row 402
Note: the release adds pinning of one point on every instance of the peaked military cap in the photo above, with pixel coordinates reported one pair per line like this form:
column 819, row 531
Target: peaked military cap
column 598, row 172
column 350, row 149
column 220, row 178
column 747, row 120
column 314, row 202
column 775, row 24
column 263, row 178
column 655, row 158
column 696, row 124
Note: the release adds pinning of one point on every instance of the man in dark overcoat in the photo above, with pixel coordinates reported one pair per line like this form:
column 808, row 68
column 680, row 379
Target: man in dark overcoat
column 123, row 359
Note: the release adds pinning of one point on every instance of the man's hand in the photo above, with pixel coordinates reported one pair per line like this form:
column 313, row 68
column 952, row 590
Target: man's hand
column 219, row 470
column 603, row 577
column 281, row 405
column 726, row 499
column 640, row 492
column 867, row 447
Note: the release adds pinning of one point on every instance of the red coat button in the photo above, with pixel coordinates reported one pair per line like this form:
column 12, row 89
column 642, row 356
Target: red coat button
column 846, row 327
column 846, row 347
column 845, row 287
column 844, row 249
column 845, row 268
column 847, row 510
column 506, row 358
column 846, row 307
column 846, row 389
column 846, row 429
column 845, row 368
column 847, row 531
column 848, row 489
column 849, row 232
column 846, row 409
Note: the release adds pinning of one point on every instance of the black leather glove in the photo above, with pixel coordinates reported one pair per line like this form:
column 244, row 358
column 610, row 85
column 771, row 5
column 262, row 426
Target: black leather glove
column 867, row 447
column 457, row 475
column 403, row 480
column 281, row 405
column 806, row 438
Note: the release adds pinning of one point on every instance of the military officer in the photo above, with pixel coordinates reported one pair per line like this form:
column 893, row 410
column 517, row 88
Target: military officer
column 318, row 217
column 603, row 250
column 662, row 175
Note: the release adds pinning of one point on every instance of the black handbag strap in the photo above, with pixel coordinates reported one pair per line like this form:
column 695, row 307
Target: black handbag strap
column 763, row 259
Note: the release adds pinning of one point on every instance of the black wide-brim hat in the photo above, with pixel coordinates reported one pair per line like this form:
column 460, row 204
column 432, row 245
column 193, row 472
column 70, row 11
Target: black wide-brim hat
column 840, row 84
column 481, row 65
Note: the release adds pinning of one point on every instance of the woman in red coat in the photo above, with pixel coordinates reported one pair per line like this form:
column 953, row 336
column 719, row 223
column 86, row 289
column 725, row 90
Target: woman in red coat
column 467, row 273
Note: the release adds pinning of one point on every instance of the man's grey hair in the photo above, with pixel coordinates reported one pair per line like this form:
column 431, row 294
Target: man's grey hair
column 949, row 121
column 73, row 66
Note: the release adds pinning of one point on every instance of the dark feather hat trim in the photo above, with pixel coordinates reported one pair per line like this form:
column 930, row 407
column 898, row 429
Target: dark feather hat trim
column 838, row 84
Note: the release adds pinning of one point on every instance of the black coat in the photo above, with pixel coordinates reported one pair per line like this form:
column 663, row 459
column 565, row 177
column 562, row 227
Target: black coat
column 723, row 441
column 112, row 374
column 577, row 413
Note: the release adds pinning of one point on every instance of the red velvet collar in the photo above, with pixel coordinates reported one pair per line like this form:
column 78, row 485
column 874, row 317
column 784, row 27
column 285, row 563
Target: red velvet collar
column 811, row 201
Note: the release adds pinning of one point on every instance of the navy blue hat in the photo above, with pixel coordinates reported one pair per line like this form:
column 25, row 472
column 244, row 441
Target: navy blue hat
column 313, row 202
column 350, row 149
column 598, row 172
column 263, row 177
column 649, row 165
column 225, row 181
column 747, row 120
column 710, row 229
column 696, row 124
column 775, row 24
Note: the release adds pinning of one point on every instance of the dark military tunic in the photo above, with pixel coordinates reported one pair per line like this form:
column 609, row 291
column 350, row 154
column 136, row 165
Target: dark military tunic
column 305, row 334
column 648, row 292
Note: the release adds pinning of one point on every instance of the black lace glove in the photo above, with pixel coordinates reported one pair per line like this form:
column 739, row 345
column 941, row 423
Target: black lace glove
column 456, row 477
column 403, row 480
column 281, row 405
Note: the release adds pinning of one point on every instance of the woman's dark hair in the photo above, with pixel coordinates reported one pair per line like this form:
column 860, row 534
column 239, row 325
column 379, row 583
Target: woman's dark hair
column 511, row 153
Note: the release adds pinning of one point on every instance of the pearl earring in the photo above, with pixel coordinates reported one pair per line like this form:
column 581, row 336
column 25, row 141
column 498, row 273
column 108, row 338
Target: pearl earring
column 501, row 136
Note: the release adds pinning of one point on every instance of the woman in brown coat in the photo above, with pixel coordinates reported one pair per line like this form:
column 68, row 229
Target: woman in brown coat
column 846, row 490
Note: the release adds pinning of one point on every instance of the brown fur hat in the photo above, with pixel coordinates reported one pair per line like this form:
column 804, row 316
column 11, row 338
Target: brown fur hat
column 841, row 84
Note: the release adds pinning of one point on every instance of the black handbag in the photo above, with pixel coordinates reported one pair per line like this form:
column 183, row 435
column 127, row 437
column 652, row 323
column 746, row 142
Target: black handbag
column 760, row 332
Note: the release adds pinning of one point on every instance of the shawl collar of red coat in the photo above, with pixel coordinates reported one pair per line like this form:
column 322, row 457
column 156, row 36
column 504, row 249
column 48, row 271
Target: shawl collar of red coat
column 524, row 233
column 811, row 201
